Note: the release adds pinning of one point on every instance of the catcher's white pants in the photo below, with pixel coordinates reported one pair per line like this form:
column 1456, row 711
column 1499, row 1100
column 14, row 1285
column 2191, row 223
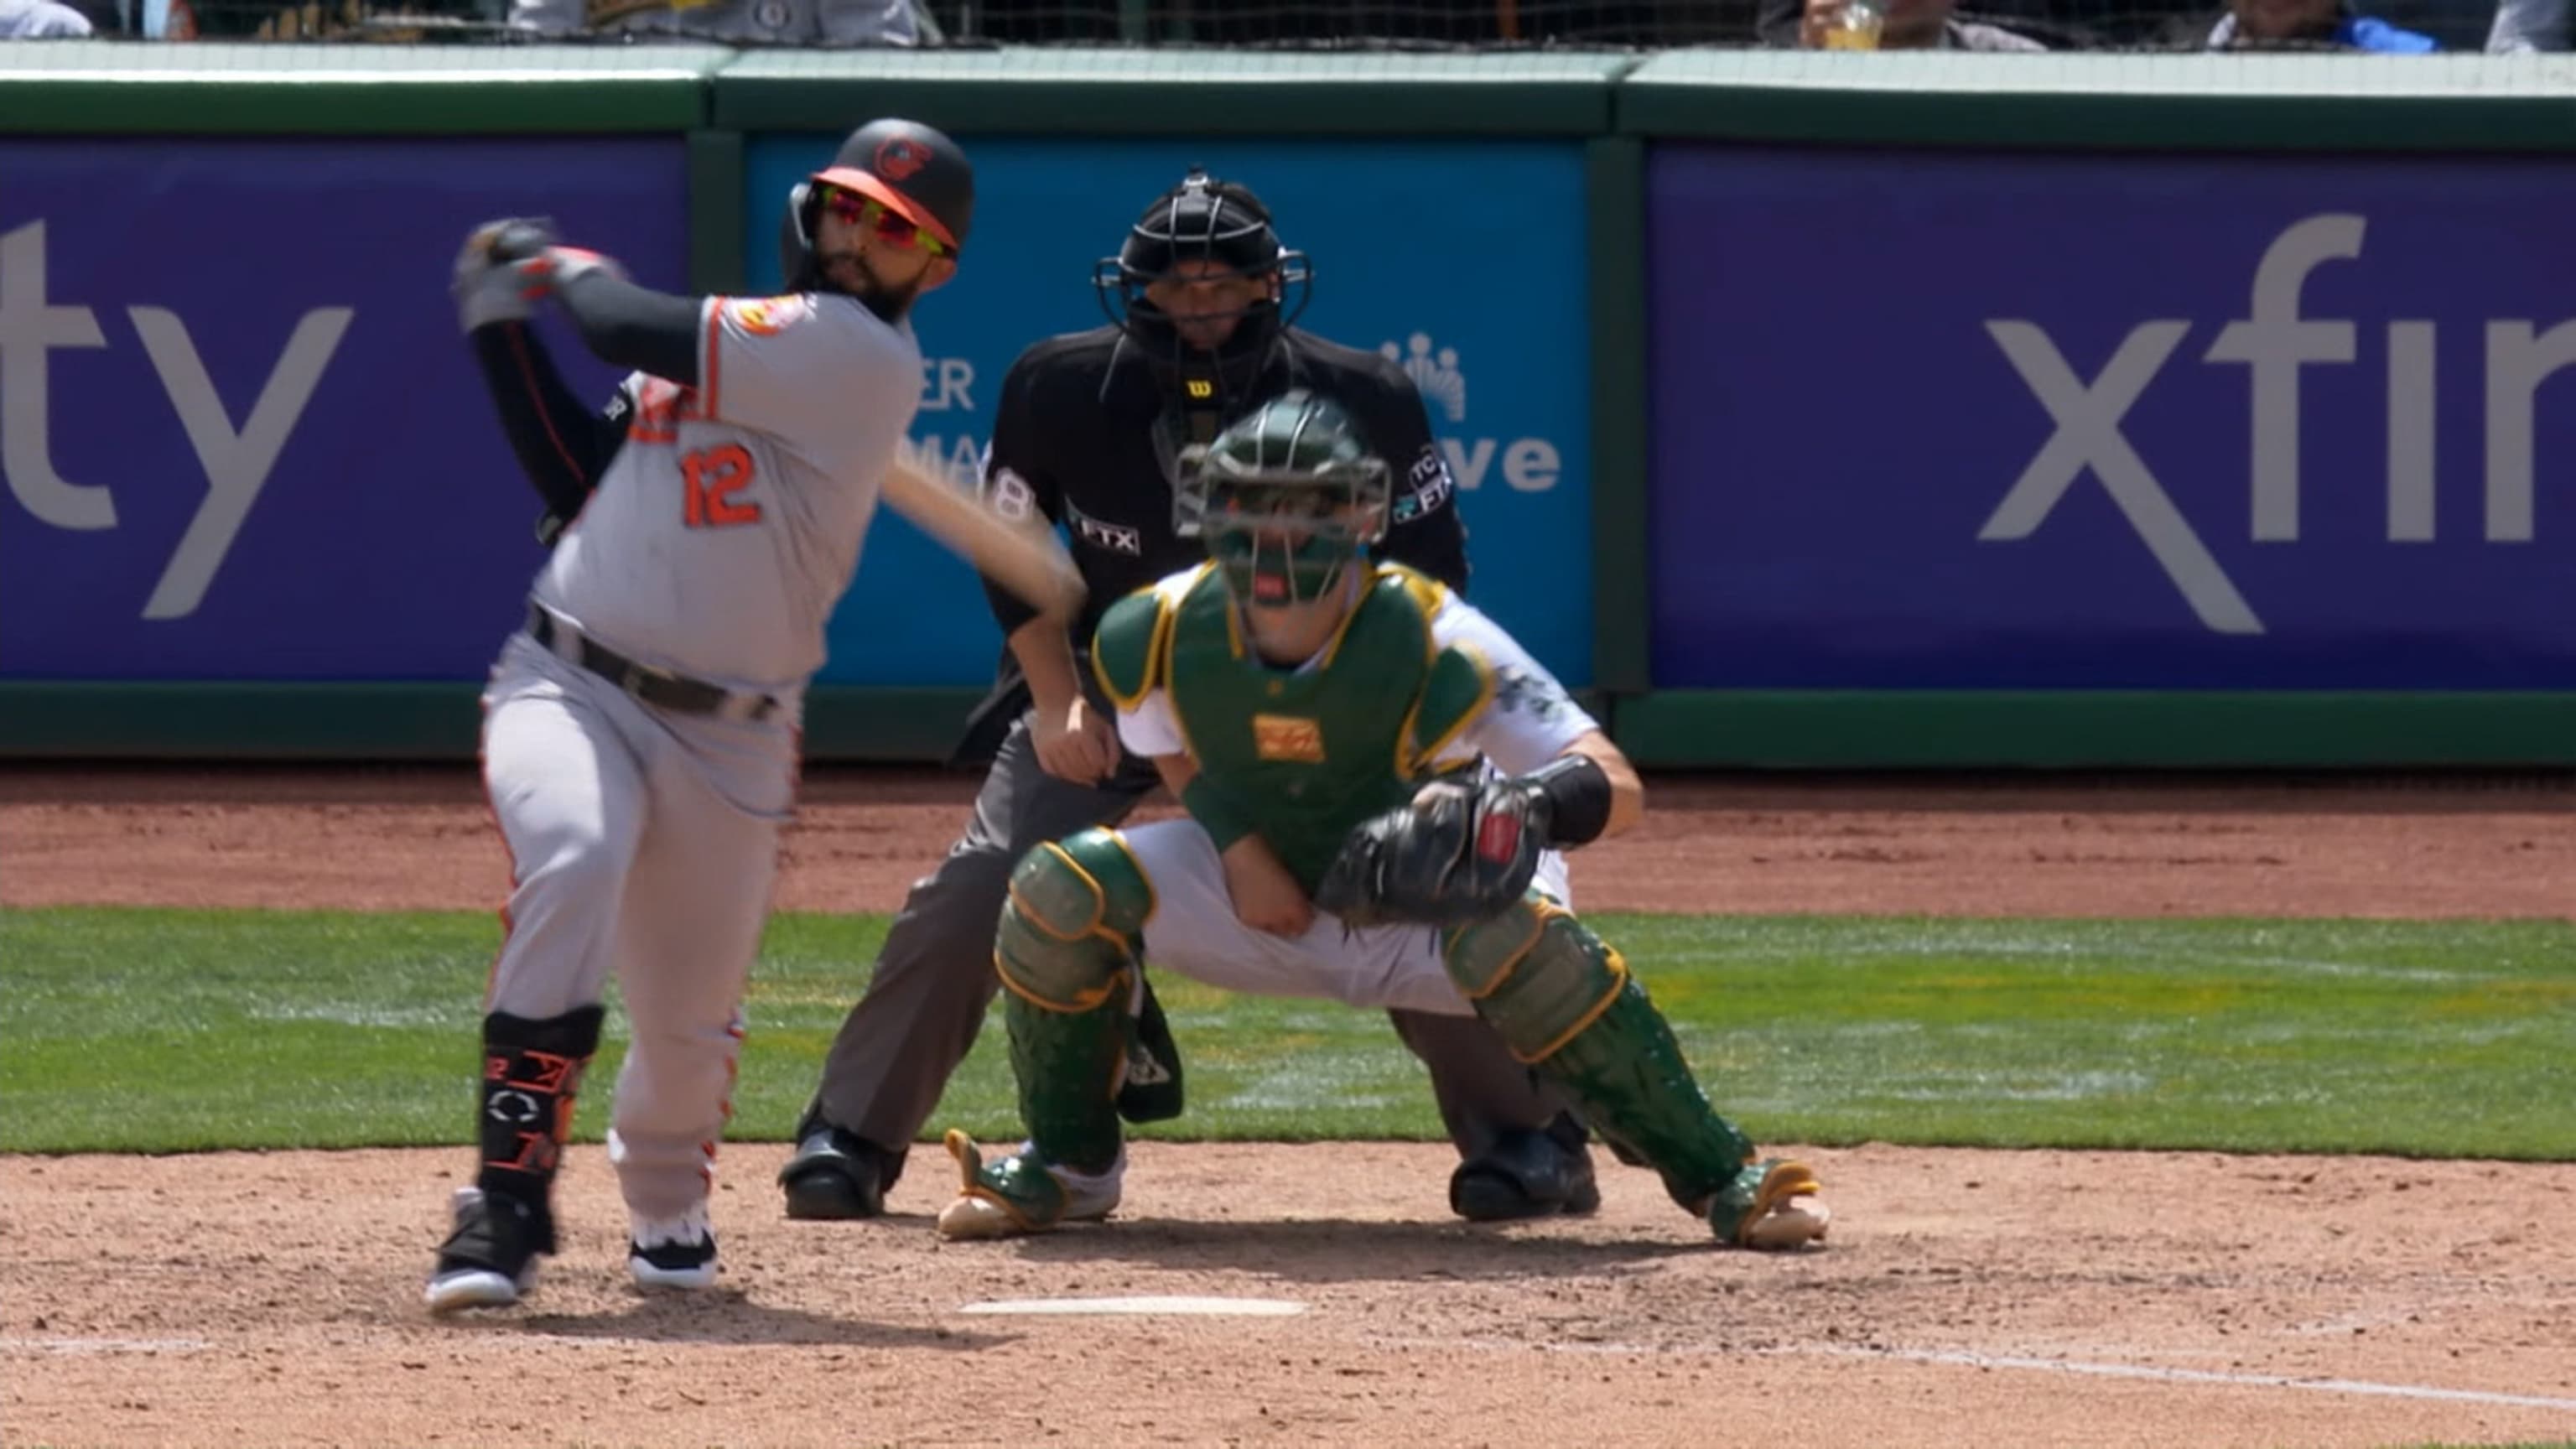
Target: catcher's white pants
column 1195, row 932
column 645, row 843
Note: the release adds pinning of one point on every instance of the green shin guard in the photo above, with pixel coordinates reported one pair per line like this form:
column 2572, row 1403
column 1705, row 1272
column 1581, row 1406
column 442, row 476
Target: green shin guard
column 1565, row 1003
column 1066, row 950
column 1068, row 1066
column 1628, row 1074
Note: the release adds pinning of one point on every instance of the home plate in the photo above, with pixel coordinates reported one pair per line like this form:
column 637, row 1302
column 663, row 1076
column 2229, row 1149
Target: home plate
column 1201, row 1307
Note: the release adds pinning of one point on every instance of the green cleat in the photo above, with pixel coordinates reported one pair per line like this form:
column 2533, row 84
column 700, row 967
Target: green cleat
column 1012, row 1196
column 1771, row 1206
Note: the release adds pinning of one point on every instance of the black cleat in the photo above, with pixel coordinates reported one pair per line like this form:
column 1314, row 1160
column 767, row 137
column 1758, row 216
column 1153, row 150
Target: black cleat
column 1524, row 1175
column 490, row 1260
column 673, row 1252
column 835, row 1175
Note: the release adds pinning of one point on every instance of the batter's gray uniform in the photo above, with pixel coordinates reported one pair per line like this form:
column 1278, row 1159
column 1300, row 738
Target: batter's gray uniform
column 644, row 839
column 640, row 736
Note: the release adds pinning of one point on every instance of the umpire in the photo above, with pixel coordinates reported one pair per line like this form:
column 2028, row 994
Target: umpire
column 1202, row 300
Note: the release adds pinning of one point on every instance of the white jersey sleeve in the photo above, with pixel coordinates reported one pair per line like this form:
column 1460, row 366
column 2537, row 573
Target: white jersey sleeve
column 821, row 372
column 1530, row 719
column 1149, row 728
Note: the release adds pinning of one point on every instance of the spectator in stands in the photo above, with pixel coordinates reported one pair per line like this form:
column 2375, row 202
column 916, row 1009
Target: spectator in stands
column 2054, row 24
column 2296, row 25
column 41, row 20
column 228, row 20
column 2523, row 25
column 1913, row 25
column 736, row 22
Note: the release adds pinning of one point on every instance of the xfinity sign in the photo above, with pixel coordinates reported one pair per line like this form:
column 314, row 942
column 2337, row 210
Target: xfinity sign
column 2275, row 343
column 235, row 456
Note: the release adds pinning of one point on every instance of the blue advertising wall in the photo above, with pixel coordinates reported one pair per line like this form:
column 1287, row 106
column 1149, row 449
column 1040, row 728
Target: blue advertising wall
column 243, row 436
column 1466, row 259
column 1854, row 424
column 2065, row 421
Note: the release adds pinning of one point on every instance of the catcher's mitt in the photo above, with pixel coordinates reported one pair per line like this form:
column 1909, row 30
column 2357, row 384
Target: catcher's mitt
column 1459, row 852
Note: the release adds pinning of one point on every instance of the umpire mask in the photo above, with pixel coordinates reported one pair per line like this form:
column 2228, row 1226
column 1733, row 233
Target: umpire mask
column 1214, row 236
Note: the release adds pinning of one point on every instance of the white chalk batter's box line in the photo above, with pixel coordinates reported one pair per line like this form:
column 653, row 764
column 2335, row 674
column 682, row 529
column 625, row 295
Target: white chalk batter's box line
column 1961, row 1358
column 102, row 1345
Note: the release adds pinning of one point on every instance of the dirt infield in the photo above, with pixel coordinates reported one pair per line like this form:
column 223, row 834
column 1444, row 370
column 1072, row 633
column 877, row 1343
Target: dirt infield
column 423, row 839
column 1970, row 1298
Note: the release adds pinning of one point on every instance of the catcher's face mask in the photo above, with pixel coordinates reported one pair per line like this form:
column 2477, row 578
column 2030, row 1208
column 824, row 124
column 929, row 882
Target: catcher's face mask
column 1285, row 499
column 1287, row 540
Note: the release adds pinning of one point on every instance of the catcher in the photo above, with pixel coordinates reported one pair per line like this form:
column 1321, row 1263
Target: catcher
column 1380, row 775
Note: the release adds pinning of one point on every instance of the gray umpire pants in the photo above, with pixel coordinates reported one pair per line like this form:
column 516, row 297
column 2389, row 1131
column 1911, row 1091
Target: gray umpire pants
column 934, row 978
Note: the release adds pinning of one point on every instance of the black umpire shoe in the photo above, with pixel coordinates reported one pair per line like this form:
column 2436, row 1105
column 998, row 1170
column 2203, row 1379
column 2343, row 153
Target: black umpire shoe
column 836, row 1175
column 1524, row 1175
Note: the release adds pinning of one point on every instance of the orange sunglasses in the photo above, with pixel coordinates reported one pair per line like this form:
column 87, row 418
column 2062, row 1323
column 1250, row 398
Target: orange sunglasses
column 891, row 226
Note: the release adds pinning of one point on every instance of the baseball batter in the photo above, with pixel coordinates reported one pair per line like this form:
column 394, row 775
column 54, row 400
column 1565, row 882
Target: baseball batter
column 640, row 733
column 1358, row 745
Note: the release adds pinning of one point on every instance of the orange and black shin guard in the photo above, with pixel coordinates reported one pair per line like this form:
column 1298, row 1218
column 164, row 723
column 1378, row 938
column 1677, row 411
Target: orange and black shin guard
column 531, row 1073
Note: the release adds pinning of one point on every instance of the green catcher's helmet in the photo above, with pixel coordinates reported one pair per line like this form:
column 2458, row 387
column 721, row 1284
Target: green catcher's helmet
column 1285, row 498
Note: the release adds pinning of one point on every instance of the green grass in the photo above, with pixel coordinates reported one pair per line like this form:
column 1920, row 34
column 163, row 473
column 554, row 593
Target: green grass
column 180, row 1030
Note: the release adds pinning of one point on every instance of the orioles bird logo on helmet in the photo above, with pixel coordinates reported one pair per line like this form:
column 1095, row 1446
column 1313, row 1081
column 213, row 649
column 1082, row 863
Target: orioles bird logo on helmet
column 900, row 157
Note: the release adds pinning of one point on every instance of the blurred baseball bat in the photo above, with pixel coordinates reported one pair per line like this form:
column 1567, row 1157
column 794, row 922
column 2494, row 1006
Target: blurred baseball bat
column 1026, row 557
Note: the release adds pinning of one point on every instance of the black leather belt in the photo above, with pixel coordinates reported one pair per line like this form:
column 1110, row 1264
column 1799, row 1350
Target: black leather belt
column 657, row 687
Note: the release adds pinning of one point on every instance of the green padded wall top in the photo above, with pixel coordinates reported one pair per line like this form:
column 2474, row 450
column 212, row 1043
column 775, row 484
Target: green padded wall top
column 1129, row 92
column 248, row 88
column 2157, row 102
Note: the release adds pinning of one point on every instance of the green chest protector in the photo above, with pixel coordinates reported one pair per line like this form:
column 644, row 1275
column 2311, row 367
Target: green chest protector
column 1303, row 755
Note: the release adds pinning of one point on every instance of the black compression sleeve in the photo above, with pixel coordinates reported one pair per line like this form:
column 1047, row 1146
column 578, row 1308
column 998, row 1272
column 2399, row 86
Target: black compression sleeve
column 634, row 327
column 1578, row 798
column 561, row 445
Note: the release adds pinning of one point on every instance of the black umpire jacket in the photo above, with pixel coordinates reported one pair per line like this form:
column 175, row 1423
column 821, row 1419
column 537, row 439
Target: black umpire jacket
column 1086, row 433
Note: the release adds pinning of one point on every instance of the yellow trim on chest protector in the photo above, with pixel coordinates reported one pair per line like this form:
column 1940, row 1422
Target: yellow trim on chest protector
column 1457, row 689
column 1457, row 683
column 1131, row 650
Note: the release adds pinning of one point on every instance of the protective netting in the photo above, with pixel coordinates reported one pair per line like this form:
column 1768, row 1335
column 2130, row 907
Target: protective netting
column 2388, row 26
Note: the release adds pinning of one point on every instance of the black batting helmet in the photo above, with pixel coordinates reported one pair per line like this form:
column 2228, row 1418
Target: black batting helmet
column 911, row 169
